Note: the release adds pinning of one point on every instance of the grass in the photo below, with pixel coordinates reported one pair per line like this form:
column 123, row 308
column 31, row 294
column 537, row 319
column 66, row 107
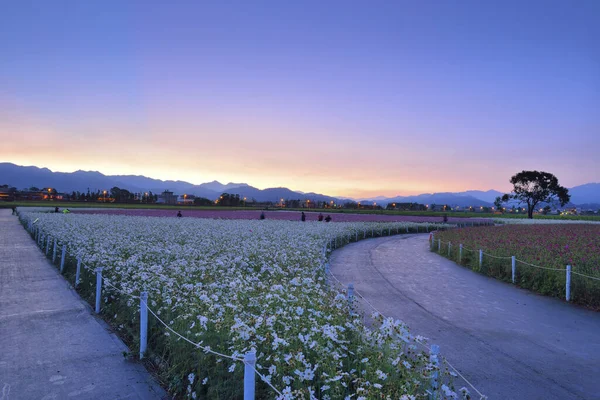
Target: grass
column 550, row 246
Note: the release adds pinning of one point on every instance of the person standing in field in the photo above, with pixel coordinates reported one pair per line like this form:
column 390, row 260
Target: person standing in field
column 327, row 218
column 262, row 215
column 303, row 217
column 179, row 214
column 320, row 217
column 14, row 210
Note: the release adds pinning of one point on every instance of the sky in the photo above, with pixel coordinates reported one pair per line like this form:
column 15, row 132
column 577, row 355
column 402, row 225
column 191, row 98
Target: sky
column 346, row 98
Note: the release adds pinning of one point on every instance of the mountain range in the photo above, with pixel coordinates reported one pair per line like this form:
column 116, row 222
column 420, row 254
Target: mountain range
column 24, row 177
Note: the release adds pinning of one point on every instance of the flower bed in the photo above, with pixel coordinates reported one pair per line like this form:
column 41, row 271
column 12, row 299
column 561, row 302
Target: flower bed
column 545, row 245
column 238, row 285
column 280, row 215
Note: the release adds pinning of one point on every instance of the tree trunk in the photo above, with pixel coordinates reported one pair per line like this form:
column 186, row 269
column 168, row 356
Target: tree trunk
column 530, row 213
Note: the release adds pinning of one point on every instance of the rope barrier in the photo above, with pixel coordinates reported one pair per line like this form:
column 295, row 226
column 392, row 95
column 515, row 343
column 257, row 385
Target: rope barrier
column 499, row 258
column 197, row 345
column 537, row 266
column 368, row 302
column 482, row 396
column 524, row 262
column 587, row 276
column 107, row 282
column 208, row 350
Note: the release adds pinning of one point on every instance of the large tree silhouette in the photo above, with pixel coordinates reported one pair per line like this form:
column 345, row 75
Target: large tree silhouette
column 534, row 187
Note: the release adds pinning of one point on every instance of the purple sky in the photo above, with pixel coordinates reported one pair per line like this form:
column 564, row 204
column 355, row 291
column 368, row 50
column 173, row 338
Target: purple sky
column 346, row 98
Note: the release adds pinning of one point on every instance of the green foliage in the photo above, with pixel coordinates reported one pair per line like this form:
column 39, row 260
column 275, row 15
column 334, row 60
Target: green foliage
column 534, row 187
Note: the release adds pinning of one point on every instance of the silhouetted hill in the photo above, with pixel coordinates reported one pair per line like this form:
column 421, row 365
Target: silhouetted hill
column 24, row 177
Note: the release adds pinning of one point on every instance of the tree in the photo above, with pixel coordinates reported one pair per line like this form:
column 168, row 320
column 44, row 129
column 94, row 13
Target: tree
column 546, row 210
column 534, row 187
column 498, row 203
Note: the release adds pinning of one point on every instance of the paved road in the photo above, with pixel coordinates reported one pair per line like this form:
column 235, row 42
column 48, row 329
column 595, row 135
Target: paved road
column 51, row 347
column 509, row 342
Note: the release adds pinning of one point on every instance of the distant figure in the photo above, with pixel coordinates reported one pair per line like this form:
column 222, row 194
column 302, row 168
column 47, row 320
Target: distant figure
column 66, row 211
column 14, row 210
column 320, row 217
column 55, row 209
column 327, row 218
column 303, row 217
column 179, row 214
column 262, row 215
column 445, row 218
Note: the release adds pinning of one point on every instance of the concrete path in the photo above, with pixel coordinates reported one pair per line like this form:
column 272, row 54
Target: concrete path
column 51, row 346
column 509, row 342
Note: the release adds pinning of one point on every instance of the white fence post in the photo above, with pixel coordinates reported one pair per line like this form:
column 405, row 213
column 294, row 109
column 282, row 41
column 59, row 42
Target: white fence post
column 48, row 244
column 449, row 248
column 460, row 247
column 249, row 379
column 480, row 258
column 327, row 274
column 568, row 283
column 356, row 236
column 439, row 245
column 54, row 252
column 62, row 258
column 143, row 323
column 406, row 228
column 514, row 268
column 98, row 288
column 433, row 359
column 78, row 273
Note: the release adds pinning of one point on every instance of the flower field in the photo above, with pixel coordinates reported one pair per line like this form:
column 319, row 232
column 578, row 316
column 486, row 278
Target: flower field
column 280, row 215
column 540, row 221
column 552, row 246
column 232, row 286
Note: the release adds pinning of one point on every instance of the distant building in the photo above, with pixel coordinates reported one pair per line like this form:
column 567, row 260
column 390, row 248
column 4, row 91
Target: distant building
column 186, row 199
column 167, row 197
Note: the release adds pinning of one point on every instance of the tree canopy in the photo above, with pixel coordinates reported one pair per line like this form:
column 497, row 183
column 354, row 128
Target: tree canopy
column 534, row 187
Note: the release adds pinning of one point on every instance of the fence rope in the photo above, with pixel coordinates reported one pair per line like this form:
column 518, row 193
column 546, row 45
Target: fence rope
column 526, row 263
column 197, row 345
column 499, row 258
column 482, row 396
column 107, row 282
column 368, row 302
column 587, row 276
column 208, row 350
column 537, row 266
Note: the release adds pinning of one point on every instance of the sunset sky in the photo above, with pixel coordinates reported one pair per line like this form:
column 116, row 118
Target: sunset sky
column 345, row 98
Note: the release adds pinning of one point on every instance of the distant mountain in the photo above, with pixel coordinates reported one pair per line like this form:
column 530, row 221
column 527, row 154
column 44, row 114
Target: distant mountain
column 588, row 193
column 217, row 186
column 487, row 196
column 25, row 177
column 451, row 199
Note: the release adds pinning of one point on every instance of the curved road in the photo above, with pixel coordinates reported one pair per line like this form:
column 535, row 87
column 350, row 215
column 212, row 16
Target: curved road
column 509, row 342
